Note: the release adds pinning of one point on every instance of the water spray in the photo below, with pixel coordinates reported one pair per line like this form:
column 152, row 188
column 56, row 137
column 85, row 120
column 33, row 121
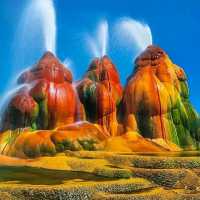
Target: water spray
column 99, row 43
column 36, row 28
column 42, row 13
column 135, row 33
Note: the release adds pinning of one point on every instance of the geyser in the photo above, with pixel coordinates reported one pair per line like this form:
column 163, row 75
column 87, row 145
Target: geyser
column 135, row 33
column 42, row 13
column 99, row 43
column 36, row 32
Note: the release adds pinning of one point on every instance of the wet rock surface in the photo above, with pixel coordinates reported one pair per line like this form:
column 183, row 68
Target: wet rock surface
column 151, row 114
column 100, row 91
column 46, row 98
column 157, row 98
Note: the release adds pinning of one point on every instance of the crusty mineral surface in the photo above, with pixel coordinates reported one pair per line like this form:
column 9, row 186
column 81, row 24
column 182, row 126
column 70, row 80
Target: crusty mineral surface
column 156, row 100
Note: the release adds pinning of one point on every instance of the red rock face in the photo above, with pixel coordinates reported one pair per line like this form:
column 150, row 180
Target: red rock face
column 100, row 91
column 155, row 104
column 48, row 68
column 49, row 94
column 156, row 97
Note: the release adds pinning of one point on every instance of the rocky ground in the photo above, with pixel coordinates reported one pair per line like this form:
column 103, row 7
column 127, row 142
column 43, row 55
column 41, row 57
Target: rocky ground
column 101, row 175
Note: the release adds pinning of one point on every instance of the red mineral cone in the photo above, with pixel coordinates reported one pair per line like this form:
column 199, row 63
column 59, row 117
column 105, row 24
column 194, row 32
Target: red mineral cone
column 50, row 89
column 156, row 97
column 100, row 92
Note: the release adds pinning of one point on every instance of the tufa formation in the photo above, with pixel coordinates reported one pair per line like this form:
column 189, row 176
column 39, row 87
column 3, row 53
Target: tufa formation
column 100, row 91
column 50, row 114
column 156, row 100
column 46, row 100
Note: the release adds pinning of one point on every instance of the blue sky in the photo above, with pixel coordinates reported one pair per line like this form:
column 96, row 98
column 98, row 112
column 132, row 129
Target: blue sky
column 175, row 26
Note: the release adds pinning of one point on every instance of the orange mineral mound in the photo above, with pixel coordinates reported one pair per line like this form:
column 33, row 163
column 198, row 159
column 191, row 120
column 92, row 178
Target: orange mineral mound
column 48, row 99
column 27, row 143
column 156, row 97
column 133, row 142
column 152, row 114
column 100, row 91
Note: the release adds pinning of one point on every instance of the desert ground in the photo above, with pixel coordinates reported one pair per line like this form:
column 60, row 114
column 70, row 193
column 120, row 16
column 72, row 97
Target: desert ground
column 101, row 175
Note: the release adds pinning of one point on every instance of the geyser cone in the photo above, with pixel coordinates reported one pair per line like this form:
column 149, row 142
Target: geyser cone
column 49, row 88
column 49, row 68
column 100, row 91
column 152, row 55
column 103, row 69
column 39, row 18
column 156, row 97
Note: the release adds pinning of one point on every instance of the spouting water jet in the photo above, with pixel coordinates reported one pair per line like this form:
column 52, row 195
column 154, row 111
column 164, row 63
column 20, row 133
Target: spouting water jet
column 35, row 34
column 42, row 13
column 134, row 33
column 99, row 43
